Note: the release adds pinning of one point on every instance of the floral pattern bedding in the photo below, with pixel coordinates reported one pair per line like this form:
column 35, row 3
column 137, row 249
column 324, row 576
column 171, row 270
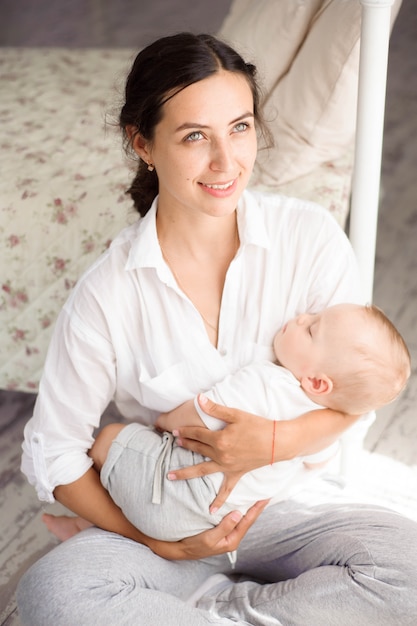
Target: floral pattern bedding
column 62, row 189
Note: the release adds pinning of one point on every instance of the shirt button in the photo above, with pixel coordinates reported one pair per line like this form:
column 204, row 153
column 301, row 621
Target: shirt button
column 36, row 440
column 223, row 352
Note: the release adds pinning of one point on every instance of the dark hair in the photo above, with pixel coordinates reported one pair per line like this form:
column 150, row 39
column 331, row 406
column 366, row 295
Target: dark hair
column 161, row 70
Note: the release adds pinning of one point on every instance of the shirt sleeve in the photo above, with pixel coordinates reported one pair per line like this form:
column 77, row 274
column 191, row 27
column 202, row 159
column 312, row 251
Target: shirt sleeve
column 212, row 423
column 323, row 455
column 76, row 387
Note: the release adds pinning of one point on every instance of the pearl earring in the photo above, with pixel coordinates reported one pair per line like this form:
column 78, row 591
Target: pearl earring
column 150, row 167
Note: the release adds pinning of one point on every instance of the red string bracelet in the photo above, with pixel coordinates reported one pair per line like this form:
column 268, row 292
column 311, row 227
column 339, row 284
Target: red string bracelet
column 273, row 443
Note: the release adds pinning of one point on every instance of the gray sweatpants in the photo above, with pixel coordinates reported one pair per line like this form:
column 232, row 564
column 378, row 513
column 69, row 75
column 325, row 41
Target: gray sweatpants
column 328, row 565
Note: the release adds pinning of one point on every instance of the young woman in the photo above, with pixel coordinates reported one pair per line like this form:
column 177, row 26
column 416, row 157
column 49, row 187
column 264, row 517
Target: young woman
column 187, row 295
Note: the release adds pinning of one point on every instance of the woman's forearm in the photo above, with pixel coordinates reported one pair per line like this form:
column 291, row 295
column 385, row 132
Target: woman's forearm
column 87, row 498
column 247, row 441
column 310, row 433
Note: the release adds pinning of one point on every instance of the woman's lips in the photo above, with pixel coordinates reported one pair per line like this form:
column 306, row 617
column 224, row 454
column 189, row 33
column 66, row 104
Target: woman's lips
column 220, row 190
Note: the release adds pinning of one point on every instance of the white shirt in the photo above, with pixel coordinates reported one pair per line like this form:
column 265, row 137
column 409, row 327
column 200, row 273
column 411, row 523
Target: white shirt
column 130, row 334
column 272, row 391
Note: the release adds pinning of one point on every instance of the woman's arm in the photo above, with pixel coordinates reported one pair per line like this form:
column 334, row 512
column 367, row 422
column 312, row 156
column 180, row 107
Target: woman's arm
column 247, row 442
column 87, row 498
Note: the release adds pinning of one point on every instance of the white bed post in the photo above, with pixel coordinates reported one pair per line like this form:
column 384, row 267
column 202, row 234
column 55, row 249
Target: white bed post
column 375, row 33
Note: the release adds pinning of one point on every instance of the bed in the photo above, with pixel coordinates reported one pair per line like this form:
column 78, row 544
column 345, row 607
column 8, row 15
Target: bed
column 64, row 175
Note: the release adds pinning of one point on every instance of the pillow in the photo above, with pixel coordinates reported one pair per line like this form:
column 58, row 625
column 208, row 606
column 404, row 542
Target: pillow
column 269, row 32
column 312, row 110
column 309, row 54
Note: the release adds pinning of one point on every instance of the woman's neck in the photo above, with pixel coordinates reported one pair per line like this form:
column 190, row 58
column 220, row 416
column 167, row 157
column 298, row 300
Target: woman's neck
column 199, row 252
column 200, row 238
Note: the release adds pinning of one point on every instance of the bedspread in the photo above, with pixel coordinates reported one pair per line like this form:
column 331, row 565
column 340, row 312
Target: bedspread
column 62, row 189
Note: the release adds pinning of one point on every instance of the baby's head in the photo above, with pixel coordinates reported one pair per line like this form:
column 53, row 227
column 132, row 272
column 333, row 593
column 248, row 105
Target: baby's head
column 348, row 357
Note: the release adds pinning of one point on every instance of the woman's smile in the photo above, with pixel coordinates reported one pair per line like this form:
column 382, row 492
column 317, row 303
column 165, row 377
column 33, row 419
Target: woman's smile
column 220, row 190
column 206, row 142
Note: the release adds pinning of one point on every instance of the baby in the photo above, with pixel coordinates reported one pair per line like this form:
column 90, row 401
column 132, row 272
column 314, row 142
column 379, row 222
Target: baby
column 348, row 358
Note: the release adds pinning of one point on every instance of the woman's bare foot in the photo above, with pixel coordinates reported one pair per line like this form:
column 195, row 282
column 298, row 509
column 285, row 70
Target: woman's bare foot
column 64, row 526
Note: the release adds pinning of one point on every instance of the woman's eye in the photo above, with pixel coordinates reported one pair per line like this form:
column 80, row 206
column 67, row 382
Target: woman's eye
column 241, row 127
column 309, row 331
column 195, row 136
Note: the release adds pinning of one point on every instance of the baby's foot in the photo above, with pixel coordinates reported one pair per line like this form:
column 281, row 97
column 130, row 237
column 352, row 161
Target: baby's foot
column 64, row 526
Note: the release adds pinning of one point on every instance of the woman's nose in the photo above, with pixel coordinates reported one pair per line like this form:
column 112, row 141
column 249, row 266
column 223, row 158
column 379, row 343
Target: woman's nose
column 222, row 156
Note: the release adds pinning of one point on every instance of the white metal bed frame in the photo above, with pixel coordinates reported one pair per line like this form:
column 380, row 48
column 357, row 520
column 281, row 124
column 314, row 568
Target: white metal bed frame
column 375, row 33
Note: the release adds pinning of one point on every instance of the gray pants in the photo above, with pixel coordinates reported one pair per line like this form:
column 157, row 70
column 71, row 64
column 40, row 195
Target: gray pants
column 328, row 565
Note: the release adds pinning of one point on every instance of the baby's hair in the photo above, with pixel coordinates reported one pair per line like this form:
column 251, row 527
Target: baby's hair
column 380, row 368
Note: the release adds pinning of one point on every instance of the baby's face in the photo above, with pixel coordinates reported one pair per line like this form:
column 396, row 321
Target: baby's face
column 308, row 344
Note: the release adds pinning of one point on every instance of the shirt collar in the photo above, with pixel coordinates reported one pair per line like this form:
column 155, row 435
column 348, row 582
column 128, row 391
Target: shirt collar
column 251, row 222
column 146, row 252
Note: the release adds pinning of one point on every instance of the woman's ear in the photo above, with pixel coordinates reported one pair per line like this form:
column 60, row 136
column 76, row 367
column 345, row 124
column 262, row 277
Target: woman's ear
column 317, row 386
column 139, row 144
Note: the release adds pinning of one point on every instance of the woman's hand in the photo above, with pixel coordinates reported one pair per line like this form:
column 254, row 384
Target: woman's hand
column 246, row 442
column 225, row 537
column 244, row 445
column 88, row 499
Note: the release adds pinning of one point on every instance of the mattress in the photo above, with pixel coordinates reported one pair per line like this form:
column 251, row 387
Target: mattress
column 62, row 189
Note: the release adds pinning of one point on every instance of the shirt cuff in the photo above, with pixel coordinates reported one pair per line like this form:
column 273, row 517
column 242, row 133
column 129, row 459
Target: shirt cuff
column 212, row 423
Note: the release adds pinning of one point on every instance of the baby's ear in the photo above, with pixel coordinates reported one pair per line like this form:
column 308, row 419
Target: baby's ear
column 317, row 386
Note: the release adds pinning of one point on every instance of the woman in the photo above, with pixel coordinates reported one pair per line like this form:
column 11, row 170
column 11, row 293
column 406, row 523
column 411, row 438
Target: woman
column 190, row 293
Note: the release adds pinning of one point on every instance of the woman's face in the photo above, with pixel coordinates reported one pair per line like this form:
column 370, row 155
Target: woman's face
column 205, row 146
